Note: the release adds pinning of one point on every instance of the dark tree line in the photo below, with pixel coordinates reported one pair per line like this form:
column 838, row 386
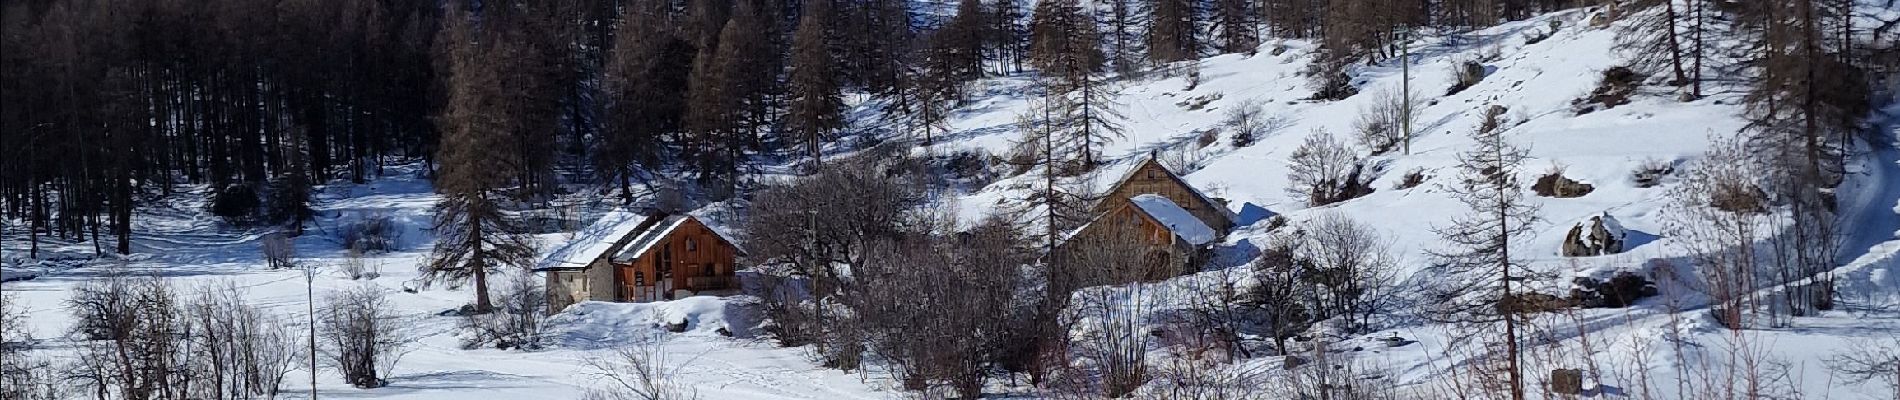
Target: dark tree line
column 113, row 103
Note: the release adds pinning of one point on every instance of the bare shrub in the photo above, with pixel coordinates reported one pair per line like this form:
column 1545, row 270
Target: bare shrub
column 1112, row 335
column 516, row 321
column 643, row 370
column 279, row 251
column 1870, row 361
column 237, row 350
column 1650, row 172
column 357, row 266
column 369, row 233
column 1383, row 120
column 20, row 376
column 1183, row 158
column 135, row 341
column 1411, row 179
column 1189, row 379
column 1247, row 120
column 1353, row 273
column 1328, row 78
column 1281, row 292
column 363, row 338
column 1325, row 171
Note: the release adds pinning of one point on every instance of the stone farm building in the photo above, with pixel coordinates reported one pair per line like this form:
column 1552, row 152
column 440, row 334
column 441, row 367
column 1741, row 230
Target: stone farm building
column 1175, row 223
column 629, row 257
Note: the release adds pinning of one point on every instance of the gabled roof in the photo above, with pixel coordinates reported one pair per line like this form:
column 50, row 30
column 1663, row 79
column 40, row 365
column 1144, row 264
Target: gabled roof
column 1164, row 212
column 607, row 234
column 660, row 230
column 1129, row 175
column 1174, row 218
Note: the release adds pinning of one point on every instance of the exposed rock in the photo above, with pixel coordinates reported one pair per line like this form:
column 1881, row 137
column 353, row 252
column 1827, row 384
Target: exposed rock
column 1620, row 291
column 1596, row 236
column 1556, row 185
column 1614, row 90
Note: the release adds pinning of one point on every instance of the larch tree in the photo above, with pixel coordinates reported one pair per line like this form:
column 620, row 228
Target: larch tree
column 1479, row 270
column 473, row 233
column 646, row 75
column 816, row 110
column 1171, row 32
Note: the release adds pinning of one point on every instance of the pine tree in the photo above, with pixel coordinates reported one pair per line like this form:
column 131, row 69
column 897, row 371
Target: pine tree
column 816, row 109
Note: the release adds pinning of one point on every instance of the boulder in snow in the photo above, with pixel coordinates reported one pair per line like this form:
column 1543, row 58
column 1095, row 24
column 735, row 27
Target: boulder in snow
column 1595, row 236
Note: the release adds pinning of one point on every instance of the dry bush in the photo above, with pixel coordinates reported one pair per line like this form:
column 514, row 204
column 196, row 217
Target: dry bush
column 1352, row 272
column 1614, row 89
column 1248, row 122
column 135, row 343
column 362, row 337
column 1411, row 179
column 279, row 251
column 1280, row 294
column 1325, row 171
column 357, row 266
column 1327, row 76
column 1381, row 124
column 237, row 350
column 369, row 233
column 1870, row 361
column 643, row 370
column 1110, row 324
column 22, row 377
column 1650, row 172
column 516, row 321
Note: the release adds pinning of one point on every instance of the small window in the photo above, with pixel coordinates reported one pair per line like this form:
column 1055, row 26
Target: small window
column 691, row 246
column 1152, row 174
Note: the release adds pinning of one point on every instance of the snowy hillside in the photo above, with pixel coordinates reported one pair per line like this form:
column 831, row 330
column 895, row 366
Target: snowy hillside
column 719, row 349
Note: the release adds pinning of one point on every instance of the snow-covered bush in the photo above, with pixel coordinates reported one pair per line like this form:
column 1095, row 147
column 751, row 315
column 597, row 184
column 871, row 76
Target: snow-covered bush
column 1411, row 179
column 278, row 251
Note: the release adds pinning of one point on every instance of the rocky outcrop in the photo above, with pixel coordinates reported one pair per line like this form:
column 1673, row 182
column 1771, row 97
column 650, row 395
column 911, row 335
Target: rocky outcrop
column 1598, row 235
column 1554, row 184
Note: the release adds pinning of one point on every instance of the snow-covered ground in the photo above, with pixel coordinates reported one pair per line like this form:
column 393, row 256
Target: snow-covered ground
column 1535, row 81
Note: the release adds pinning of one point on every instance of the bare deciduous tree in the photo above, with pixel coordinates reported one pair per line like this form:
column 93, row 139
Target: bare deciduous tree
column 1323, row 170
column 1383, row 121
column 237, row 350
column 363, row 337
column 1352, row 271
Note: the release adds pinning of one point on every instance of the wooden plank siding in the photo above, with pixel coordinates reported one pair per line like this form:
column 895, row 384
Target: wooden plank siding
column 1152, row 178
column 690, row 258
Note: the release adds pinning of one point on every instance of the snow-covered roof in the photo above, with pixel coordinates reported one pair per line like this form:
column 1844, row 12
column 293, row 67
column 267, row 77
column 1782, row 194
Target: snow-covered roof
column 651, row 236
column 1175, row 218
column 589, row 244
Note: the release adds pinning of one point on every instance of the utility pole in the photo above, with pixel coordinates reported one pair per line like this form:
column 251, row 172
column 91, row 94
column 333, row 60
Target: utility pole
column 1405, row 85
column 310, row 306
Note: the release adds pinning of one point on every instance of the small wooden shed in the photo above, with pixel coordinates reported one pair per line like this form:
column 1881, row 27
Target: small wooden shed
column 626, row 257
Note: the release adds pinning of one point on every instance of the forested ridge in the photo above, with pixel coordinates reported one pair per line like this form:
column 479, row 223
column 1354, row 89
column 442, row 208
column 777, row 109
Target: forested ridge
column 110, row 104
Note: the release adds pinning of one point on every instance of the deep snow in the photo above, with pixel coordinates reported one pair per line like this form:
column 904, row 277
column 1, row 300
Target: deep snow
column 1161, row 115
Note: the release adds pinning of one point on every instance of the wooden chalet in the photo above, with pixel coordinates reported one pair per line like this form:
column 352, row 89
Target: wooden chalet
column 1175, row 223
column 628, row 257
